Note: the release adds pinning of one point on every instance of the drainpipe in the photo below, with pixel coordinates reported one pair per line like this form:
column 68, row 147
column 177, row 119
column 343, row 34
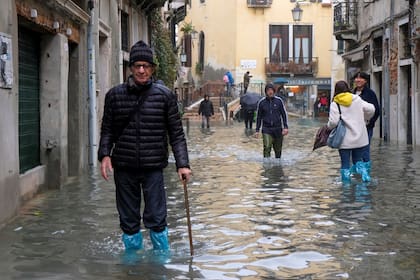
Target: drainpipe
column 386, row 85
column 92, row 88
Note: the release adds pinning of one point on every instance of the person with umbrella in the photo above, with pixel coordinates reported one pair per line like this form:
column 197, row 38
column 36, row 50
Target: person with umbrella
column 249, row 103
column 272, row 117
column 281, row 91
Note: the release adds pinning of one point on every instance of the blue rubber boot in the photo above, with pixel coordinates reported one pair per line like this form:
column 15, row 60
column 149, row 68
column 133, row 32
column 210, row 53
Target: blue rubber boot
column 363, row 171
column 134, row 241
column 345, row 176
column 160, row 239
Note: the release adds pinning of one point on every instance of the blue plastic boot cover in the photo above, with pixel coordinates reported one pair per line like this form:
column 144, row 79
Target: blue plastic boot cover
column 160, row 239
column 362, row 170
column 134, row 241
column 367, row 165
column 353, row 169
column 345, row 176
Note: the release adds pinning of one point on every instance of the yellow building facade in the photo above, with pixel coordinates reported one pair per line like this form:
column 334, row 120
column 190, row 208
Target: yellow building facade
column 261, row 36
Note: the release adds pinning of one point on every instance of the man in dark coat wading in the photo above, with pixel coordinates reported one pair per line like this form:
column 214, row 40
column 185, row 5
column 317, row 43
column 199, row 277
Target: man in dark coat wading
column 272, row 117
column 362, row 89
column 139, row 119
column 206, row 111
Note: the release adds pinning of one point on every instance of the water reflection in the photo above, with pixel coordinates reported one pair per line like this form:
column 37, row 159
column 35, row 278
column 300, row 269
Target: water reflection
column 251, row 218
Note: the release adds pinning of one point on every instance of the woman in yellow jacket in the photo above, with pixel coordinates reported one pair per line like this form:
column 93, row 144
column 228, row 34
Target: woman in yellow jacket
column 355, row 112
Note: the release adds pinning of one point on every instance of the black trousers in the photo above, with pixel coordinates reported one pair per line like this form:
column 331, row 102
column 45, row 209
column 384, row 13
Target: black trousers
column 130, row 185
column 248, row 119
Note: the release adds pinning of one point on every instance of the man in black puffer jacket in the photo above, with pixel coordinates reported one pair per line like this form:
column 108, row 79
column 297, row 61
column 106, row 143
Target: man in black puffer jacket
column 139, row 119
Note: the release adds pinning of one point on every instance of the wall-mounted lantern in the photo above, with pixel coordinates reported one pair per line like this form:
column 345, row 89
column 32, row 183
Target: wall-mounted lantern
column 297, row 12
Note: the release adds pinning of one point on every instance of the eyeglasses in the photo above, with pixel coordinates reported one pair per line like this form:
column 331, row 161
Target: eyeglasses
column 145, row 66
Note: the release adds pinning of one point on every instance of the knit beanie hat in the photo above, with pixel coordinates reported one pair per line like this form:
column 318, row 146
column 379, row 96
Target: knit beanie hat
column 140, row 51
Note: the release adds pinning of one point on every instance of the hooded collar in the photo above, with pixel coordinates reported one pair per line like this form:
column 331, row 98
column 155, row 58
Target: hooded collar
column 344, row 98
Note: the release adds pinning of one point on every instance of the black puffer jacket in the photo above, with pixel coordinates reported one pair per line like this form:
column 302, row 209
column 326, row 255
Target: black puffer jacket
column 140, row 139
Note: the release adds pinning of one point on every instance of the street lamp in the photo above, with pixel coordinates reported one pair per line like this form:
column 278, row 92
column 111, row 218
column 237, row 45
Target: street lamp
column 183, row 58
column 297, row 12
column 194, row 35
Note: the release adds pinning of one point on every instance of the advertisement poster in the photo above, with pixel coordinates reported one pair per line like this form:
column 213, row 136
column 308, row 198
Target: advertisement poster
column 6, row 67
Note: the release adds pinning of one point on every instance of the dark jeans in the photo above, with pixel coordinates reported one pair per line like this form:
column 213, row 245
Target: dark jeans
column 270, row 142
column 129, row 186
column 366, row 151
column 355, row 154
column 205, row 121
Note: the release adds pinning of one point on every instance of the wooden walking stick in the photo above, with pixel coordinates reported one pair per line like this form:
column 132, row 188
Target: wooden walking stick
column 187, row 208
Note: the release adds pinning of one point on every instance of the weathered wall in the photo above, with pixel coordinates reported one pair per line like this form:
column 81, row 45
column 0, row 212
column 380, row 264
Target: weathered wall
column 9, row 164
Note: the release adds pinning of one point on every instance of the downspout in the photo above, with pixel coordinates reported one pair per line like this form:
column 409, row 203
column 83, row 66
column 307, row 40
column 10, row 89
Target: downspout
column 92, row 89
column 414, row 70
column 386, row 84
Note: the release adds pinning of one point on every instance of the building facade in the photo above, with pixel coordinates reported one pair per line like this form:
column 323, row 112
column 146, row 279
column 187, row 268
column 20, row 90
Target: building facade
column 262, row 37
column 381, row 38
column 58, row 59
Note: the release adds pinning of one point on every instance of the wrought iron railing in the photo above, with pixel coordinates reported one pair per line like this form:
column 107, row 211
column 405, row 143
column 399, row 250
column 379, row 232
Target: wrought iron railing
column 298, row 66
column 345, row 16
column 259, row 3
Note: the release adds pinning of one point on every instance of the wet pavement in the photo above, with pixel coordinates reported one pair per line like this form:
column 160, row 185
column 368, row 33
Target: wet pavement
column 251, row 218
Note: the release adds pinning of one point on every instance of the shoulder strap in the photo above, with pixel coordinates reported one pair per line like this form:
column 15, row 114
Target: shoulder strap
column 339, row 109
column 139, row 102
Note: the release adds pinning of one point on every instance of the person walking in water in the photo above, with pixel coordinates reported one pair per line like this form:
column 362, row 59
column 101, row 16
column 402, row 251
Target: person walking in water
column 272, row 117
column 140, row 118
column 206, row 111
column 362, row 89
column 247, row 78
column 354, row 112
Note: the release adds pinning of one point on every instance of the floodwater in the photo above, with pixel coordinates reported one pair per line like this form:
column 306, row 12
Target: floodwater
column 251, row 218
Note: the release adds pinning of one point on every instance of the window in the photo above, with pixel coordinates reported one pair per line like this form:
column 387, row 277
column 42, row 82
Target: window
column 279, row 38
column 201, row 51
column 404, row 42
column 125, row 42
column 302, row 43
column 340, row 46
column 377, row 51
column 301, row 46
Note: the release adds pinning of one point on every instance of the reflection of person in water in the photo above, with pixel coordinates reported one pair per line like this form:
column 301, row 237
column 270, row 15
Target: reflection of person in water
column 273, row 172
column 358, row 199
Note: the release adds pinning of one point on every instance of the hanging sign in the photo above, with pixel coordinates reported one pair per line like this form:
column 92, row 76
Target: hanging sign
column 6, row 67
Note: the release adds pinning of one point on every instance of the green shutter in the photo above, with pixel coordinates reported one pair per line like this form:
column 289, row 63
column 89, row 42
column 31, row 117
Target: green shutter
column 29, row 119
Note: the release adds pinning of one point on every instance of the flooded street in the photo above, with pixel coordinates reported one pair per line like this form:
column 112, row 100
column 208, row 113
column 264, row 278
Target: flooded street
column 251, row 219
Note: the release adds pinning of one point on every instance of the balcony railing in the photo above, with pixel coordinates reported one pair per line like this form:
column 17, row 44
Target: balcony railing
column 259, row 3
column 345, row 17
column 303, row 66
column 150, row 4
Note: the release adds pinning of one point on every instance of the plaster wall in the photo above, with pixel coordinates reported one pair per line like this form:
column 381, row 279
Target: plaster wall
column 9, row 164
column 54, row 71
